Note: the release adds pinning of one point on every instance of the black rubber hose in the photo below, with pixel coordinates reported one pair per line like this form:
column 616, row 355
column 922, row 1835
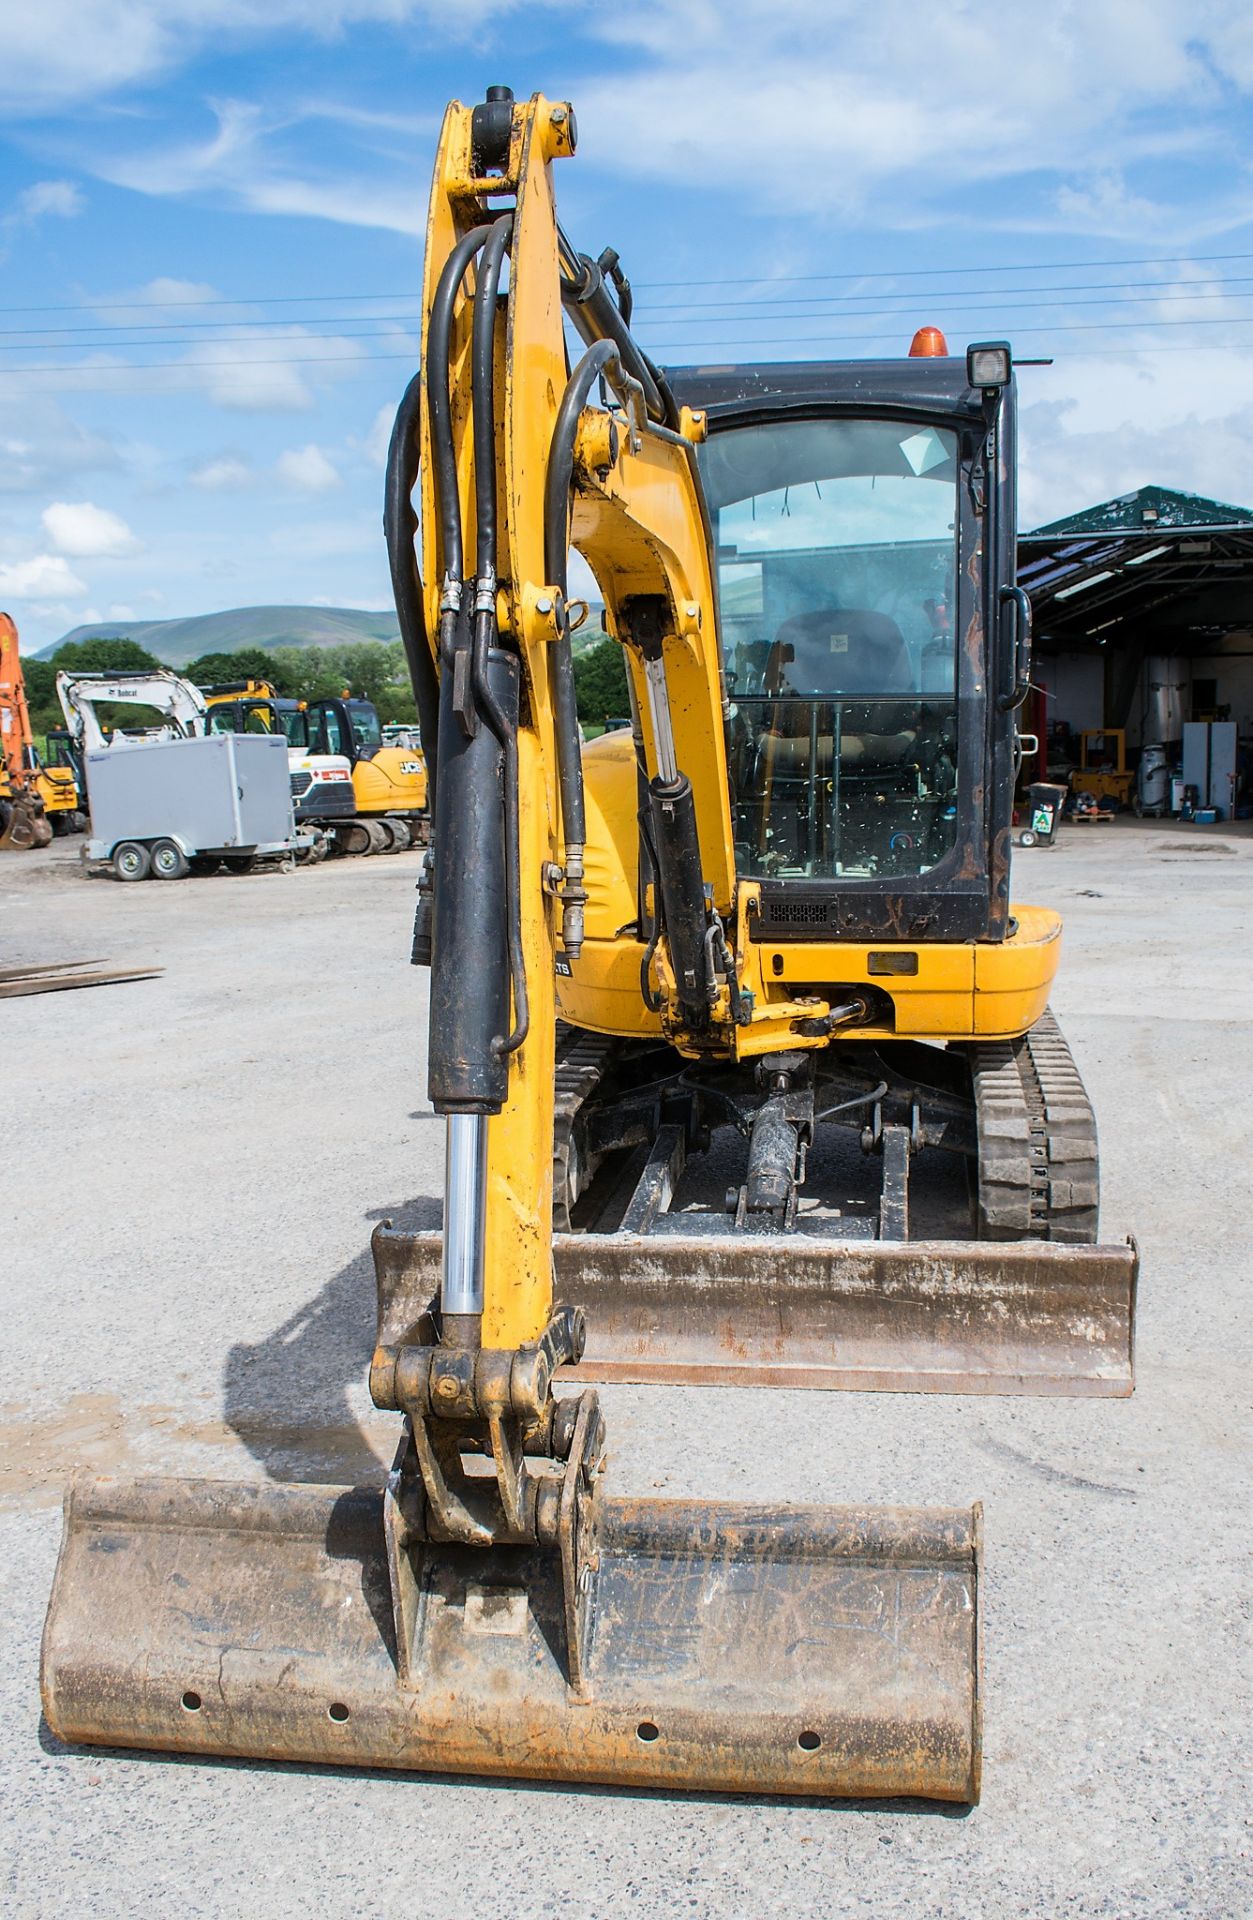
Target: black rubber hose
column 483, row 386
column 438, row 353
column 483, row 363
column 558, row 482
column 400, row 525
column 560, row 476
column 597, row 318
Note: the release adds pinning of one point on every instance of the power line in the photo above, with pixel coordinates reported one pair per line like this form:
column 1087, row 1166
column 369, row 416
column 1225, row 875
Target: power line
column 685, row 313
column 783, row 279
column 370, row 360
column 706, row 348
column 840, row 339
column 915, row 273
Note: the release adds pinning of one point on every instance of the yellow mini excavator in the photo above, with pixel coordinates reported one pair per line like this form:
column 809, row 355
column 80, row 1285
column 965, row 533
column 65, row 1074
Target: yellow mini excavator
column 745, row 1061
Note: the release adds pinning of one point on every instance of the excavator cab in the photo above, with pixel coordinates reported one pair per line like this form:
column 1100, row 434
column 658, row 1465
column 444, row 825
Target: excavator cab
column 843, row 734
column 859, row 641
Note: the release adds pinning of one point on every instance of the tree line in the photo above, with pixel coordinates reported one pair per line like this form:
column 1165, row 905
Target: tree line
column 371, row 669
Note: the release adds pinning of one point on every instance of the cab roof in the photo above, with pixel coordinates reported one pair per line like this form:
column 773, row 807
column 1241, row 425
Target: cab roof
column 915, row 386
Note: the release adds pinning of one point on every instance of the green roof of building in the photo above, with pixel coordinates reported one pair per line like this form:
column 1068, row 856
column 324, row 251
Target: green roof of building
column 1148, row 509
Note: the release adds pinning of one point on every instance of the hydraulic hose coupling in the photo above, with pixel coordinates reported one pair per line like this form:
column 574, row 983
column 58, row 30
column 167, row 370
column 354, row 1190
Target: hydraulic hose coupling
column 573, row 902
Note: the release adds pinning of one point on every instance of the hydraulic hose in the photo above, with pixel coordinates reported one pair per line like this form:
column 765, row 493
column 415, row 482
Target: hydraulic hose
column 597, row 318
column 558, row 482
column 483, row 377
column 443, row 450
column 483, row 386
column 400, row 525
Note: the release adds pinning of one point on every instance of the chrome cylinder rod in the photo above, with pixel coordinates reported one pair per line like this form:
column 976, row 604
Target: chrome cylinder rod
column 465, row 1214
column 659, row 714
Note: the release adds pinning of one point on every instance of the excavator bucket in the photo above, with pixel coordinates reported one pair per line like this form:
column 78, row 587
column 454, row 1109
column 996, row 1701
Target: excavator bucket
column 23, row 824
column 767, row 1649
column 785, row 1310
column 810, row 1650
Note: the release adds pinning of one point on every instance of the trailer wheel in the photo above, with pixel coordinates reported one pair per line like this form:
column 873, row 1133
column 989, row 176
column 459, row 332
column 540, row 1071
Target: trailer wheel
column 169, row 862
column 131, row 860
column 1027, row 837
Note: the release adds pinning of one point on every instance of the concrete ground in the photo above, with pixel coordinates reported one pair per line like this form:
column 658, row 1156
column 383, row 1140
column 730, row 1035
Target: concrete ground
column 193, row 1166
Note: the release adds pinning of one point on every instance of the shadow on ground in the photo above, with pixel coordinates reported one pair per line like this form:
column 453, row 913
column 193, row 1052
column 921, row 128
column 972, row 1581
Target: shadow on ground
column 288, row 1396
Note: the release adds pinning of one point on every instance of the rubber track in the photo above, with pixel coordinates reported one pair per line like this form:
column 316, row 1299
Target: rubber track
column 1038, row 1166
column 583, row 1059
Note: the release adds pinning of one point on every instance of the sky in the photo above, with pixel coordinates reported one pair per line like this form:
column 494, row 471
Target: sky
column 210, row 240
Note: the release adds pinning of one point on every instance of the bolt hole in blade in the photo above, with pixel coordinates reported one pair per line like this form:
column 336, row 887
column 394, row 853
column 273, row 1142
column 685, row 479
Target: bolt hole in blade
column 191, row 1702
column 647, row 1732
column 809, row 1742
column 337, row 1711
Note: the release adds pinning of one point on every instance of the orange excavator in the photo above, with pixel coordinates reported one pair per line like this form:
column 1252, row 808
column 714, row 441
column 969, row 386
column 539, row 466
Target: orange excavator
column 33, row 798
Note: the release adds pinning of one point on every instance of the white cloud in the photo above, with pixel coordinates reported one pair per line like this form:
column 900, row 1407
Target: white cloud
column 1099, row 425
column 46, row 576
column 65, row 50
column 379, row 437
column 88, row 532
column 118, row 611
column 60, row 198
column 227, row 474
column 243, row 381
column 308, row 469
column 42, row 445
column 1104, row 204
column 165, row 292
column 237, row 161
column 824, row 104
column 876, row 112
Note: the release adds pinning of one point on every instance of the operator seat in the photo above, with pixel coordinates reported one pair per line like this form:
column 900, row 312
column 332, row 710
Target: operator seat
column 836, row 652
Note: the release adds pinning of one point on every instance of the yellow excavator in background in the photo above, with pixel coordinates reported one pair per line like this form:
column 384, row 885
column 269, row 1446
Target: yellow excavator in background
column 389, row 782
column 774, row 919
column 380, row 807
column 35, row 801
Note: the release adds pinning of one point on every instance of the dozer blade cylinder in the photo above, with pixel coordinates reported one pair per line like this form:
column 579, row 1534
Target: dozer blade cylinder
column 809, row 1650
column 785, row 1310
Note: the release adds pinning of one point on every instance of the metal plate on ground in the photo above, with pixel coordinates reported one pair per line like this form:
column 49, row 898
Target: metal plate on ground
column 812, row 1650
column 787, row 1310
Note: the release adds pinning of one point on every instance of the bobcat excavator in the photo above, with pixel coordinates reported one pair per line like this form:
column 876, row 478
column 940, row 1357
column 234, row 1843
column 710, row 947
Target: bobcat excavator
column 774, row 919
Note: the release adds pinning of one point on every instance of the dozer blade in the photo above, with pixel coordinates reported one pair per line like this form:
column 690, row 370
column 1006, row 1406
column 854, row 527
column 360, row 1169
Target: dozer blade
column 830, row 1651
column 785, row 1310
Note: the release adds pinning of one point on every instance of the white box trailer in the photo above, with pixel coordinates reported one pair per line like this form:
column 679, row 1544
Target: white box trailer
column 157, row 805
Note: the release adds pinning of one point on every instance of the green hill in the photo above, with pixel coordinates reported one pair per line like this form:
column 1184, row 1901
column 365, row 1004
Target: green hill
column 178, row 641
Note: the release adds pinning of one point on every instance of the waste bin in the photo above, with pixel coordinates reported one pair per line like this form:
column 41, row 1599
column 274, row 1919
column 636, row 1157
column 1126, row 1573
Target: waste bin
column 1047, row 802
